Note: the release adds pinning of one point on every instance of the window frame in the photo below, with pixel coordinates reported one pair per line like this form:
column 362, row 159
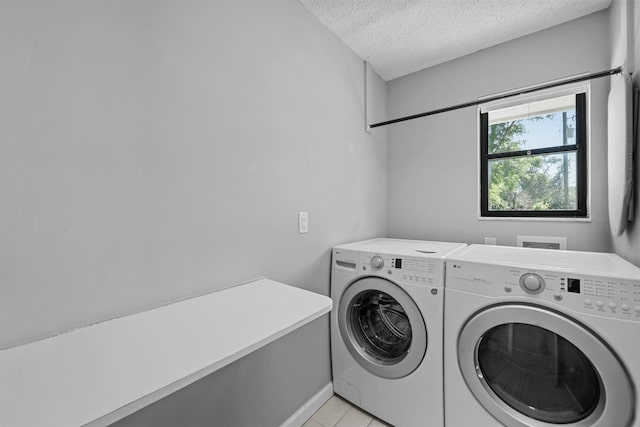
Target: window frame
column 581, row 148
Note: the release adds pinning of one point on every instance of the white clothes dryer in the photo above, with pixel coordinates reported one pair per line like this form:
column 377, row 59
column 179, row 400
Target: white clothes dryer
column 386, row 328
column 541, row 338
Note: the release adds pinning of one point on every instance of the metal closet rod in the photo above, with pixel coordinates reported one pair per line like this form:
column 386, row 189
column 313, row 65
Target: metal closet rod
column 591, row 76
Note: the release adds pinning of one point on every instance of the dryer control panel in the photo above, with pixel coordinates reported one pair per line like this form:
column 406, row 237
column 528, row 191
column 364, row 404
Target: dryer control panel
column 603, row 296
column 406, row 269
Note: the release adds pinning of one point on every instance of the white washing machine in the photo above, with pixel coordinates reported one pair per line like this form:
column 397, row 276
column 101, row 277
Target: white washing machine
column 537, row 337
column 386, row 328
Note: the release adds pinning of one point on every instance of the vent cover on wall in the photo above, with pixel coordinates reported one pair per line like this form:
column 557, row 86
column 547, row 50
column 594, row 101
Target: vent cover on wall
column 542, row 242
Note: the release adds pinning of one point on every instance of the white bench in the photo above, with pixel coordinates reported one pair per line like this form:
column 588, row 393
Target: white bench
column 101, row 373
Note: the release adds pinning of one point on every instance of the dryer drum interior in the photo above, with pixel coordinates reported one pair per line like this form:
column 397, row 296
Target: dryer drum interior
column 529, row 365
column 538, row 373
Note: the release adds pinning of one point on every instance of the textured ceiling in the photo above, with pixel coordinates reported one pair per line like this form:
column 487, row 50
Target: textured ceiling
column 399, row 37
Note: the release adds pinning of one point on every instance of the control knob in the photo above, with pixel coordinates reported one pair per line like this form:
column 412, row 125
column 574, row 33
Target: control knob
column 377, row 262
column 532, row 283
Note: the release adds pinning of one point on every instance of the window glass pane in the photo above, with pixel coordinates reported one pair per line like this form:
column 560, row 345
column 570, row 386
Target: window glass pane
column 540, row 124
column 381, row 326
column 533, row 183
column 538, row 373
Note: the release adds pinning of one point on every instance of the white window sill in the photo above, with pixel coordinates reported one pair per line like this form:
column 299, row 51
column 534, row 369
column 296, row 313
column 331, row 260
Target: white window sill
column 532, row 219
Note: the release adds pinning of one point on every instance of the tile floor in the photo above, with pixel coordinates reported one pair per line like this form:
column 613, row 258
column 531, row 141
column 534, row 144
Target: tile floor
column 337, row 412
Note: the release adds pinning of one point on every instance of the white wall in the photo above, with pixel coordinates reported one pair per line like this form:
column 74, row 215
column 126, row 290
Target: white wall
column 155, row 149
column 625, row 40
column 433, row 161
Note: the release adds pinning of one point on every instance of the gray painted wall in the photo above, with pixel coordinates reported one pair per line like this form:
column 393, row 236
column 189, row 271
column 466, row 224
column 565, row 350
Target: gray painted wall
column 433, row 163
column 625, row 28
column 153, row 150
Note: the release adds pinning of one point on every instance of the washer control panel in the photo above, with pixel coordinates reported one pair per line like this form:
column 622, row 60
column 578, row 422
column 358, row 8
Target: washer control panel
column 619, row 298
column 401, row 268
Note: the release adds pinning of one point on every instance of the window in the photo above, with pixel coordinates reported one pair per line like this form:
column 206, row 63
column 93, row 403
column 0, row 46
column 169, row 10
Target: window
column 533, row 158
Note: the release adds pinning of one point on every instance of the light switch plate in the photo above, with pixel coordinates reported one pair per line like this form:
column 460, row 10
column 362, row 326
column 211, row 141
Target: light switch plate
column 303, row 222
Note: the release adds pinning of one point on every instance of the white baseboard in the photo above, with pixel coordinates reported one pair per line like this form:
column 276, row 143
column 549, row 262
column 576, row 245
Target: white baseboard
column 310, row 407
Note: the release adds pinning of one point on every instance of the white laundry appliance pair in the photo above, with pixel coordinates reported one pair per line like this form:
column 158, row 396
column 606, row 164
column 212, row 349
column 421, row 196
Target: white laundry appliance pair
column 541, row 338
column 386, row 328
column 532, row 337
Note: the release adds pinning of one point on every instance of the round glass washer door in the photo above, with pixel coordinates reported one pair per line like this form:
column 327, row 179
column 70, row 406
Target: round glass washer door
column 382, row 327
column 530, row 366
